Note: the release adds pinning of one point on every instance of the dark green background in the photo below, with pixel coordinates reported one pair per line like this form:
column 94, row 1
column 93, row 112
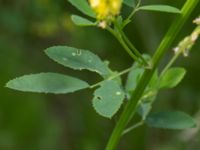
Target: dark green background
column 68, row 122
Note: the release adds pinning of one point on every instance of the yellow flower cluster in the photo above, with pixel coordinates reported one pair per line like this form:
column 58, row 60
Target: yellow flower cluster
column 106, row 9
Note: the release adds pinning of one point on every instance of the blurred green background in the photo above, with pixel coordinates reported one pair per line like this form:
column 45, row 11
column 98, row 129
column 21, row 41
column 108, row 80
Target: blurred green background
column 68, row 122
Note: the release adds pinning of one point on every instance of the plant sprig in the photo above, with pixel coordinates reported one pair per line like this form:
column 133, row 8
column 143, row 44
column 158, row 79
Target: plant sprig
column 130, row 109
column 143, row 82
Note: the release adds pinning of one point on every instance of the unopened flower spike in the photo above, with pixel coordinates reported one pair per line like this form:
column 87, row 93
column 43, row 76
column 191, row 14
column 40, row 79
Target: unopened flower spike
column 187, row 43
column 105, row 10
column 197, row 21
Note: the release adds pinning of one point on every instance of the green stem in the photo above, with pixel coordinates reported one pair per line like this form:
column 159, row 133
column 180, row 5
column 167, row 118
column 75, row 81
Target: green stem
column 112, row 77
column 179, row 52
column 130, row 108
column 133, row 127
column 182, row 49
column 174, row 58
column 128, row 19
column 127, row 45
column 121, row 41
column 134, row 49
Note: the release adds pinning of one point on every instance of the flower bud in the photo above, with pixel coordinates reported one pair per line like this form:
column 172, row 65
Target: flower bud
column 197, row 21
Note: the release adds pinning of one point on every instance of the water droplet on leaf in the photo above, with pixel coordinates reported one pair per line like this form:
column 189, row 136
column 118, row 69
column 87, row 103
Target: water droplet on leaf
column 118, row 93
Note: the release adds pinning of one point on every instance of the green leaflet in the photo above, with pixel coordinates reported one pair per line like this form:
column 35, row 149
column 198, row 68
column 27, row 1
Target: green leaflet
column 80, row 21
column 161, row 8
column 135, row 75
column 47, row 83
column 133, row 78
column 170, row 120
column 146, row 102
column 83, row 6
column 108, row 98
column 78, row 59
column 130, row 3
column 172, row 77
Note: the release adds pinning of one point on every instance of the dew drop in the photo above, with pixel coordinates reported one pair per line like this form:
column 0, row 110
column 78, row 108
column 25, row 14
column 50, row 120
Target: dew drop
column 118, row 93
column 64, row 59
column 73, row 54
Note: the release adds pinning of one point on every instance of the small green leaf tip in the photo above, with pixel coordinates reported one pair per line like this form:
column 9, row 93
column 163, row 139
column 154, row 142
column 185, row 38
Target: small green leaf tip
column 130, row 3
column 83, row 6
column 80, row 21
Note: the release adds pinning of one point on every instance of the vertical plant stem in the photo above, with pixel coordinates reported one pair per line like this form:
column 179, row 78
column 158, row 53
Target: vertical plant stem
column 130, row 108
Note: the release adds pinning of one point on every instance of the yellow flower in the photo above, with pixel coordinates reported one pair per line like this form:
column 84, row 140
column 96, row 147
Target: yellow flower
column 106, row 9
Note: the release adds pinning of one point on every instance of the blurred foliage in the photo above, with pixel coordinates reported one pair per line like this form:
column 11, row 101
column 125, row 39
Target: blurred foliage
column 48, row 122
